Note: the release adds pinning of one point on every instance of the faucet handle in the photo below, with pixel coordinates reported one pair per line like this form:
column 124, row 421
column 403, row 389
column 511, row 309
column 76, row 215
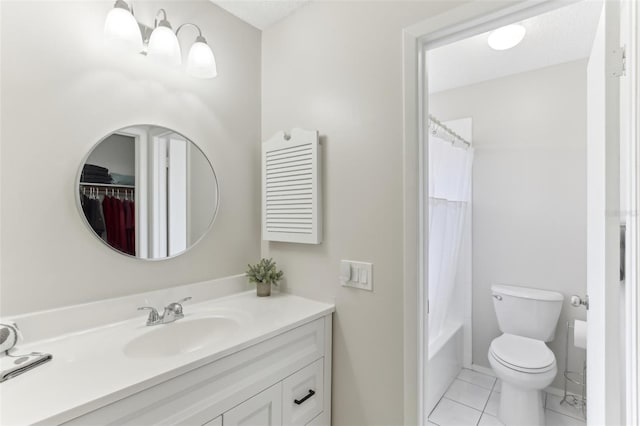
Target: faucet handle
column 176, row 307
column 153, row 315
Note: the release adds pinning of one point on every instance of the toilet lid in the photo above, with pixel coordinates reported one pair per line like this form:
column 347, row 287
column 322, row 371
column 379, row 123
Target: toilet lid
column 522, row 353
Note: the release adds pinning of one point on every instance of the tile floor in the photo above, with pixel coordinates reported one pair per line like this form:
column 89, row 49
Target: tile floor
column 472, row 400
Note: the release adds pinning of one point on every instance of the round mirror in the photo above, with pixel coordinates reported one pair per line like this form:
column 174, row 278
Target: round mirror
column 147, row 191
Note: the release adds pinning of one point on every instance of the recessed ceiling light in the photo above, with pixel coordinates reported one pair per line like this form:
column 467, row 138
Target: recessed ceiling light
column 506, row 37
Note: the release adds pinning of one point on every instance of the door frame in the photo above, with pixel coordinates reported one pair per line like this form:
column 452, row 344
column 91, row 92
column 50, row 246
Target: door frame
column 458, row 23
column 630, row 110
column 139, row 134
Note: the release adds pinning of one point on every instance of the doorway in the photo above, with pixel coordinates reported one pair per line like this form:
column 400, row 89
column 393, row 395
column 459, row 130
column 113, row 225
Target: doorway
column 438, row 32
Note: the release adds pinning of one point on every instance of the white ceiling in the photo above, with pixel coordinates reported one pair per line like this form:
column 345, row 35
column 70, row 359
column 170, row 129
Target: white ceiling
column 260, row 13
column 559, row 36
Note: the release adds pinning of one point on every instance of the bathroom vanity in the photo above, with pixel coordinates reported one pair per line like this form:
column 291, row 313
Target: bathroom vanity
column 230, row 361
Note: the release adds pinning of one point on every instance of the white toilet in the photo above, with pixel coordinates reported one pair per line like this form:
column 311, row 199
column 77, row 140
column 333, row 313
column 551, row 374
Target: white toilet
column 527, row 318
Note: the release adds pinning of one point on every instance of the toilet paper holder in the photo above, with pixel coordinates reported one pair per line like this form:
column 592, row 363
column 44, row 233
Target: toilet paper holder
column 576, row 377
column 576, row 301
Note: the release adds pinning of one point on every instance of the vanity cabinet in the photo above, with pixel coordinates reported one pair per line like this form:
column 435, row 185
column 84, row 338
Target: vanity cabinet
column 303, row 394
column 285, row 379
column 297, row 400
column 264, row 409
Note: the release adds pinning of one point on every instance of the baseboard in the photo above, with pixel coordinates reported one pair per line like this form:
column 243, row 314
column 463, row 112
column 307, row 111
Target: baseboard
column 484, row 370
column 557, row 392
column 489, row 372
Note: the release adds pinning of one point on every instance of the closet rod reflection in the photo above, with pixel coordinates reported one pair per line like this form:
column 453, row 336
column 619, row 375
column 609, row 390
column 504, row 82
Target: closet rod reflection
column 107, row 185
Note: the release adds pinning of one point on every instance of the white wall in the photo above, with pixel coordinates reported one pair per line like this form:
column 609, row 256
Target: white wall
column 62, row 91
column 337, row 67
column 529, row 190
column 117, row 153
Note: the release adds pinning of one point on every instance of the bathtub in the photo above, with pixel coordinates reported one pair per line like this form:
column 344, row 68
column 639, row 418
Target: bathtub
column 445, row 362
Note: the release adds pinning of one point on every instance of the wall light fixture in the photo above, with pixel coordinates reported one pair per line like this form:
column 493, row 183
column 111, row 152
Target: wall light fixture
column 159, row 43
column 121, row 28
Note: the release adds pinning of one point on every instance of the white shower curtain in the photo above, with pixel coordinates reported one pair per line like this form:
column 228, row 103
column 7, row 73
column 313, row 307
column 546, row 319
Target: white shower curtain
column 449, row 199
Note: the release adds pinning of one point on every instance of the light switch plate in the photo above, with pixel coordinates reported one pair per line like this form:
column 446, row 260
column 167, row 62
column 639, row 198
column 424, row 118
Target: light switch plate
column 345, row 271
column 356, row 274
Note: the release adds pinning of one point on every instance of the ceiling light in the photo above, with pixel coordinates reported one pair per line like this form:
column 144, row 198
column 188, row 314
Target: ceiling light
column 121, row 28
column 163, row 43
column 506, row 37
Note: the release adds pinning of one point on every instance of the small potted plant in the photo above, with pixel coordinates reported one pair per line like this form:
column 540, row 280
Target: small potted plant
column 264, row 273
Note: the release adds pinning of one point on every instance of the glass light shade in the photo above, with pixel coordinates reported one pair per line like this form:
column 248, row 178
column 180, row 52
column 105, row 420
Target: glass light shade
column 164, row 46
column 200, row 62
column 506, row 37
column 121, row 29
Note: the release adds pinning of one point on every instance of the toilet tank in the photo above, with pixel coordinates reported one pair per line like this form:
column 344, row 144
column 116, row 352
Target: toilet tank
column 528, row 312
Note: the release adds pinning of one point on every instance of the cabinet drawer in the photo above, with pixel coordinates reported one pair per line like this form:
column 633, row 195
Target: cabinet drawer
column 303, row 394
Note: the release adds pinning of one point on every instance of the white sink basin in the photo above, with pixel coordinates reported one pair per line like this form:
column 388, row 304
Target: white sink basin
column 180, row 337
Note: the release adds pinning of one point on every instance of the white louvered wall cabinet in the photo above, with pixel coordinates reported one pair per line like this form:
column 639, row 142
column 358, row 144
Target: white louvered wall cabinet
column 291, row 195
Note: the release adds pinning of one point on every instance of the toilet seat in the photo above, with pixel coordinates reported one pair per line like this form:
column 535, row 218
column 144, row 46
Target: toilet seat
column 522, row 354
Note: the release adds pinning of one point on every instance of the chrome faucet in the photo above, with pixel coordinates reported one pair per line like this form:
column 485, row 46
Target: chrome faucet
column 172, row 312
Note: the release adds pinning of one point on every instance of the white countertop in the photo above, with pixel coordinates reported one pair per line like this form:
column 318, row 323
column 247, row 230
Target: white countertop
column 89, row 369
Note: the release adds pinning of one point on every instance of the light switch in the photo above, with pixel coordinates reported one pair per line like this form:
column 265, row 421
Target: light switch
column 356, row 274
column 362, row 274
column 345, row 271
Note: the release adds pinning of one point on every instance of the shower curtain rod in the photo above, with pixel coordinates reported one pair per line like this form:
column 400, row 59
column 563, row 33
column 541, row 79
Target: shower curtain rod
column 446, row 129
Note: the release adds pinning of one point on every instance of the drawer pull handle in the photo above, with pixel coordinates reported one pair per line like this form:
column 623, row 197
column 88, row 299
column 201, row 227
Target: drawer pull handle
column 307, row 396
